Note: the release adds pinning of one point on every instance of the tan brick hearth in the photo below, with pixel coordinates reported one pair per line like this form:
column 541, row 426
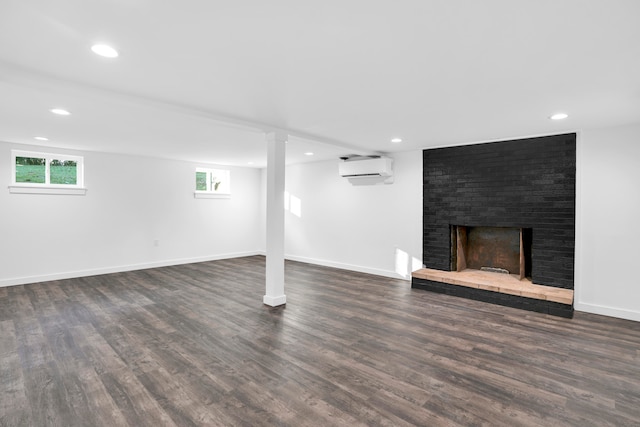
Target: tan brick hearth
column 497, row 282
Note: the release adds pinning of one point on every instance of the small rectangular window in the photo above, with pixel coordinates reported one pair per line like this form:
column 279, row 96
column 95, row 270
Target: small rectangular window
column 34, row 172
column 201, row 181
column 30, row 170
column 63, row 172
column 213, row 182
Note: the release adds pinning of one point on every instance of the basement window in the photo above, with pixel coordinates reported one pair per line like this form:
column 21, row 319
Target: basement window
column 212, row 183
column 46, row 173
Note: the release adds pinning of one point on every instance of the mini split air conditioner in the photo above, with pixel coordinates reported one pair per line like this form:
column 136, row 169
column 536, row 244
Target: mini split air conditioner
column 362, row 170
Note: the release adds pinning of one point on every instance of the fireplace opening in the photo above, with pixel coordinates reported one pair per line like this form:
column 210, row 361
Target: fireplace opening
column 495, row 249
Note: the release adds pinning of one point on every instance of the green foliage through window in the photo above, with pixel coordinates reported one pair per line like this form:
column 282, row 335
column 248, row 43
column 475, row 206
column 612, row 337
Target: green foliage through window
column 30, row 169
column 63, row 172
column 201, row 181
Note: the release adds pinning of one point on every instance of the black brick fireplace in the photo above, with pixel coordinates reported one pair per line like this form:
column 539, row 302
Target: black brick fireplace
column 526, row 184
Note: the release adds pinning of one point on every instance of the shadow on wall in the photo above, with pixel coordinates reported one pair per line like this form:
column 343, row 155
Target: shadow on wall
column 406, row 264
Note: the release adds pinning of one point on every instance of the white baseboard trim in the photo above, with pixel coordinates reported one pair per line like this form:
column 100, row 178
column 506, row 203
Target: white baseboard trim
column 584, row 307
column 119, row 269
column 607, row 311
column 350, row 267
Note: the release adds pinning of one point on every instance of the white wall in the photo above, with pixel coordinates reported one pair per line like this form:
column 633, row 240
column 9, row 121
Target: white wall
column 359, row 228
column 363, row 228
column 608, row 216
column 131, row 201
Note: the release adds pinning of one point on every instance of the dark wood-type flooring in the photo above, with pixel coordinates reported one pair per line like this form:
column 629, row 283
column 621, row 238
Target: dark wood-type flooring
column 193, row 345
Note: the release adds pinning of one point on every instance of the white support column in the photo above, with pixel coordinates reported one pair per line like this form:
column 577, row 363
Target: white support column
column 275, row 220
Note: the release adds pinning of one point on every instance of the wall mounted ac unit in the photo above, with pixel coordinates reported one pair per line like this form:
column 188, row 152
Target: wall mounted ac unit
column 367, row 169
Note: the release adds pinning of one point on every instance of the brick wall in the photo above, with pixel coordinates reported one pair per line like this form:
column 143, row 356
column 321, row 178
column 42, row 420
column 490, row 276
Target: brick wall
column 527, row 183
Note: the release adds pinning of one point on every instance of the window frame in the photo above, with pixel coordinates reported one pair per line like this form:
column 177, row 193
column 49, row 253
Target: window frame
column 47, row 187
column 224, row 193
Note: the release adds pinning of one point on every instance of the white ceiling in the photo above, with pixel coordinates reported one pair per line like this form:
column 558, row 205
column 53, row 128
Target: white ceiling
column 203, row 80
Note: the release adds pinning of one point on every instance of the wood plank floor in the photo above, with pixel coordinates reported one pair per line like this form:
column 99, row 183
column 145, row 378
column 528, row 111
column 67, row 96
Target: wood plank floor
column 193, row 345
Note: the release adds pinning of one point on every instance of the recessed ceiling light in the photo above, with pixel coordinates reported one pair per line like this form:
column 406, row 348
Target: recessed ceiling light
column 104, row 50
column 559, row 116
column 40, row 138
column 396, row 140
column 308, row 153
column 60, row 111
